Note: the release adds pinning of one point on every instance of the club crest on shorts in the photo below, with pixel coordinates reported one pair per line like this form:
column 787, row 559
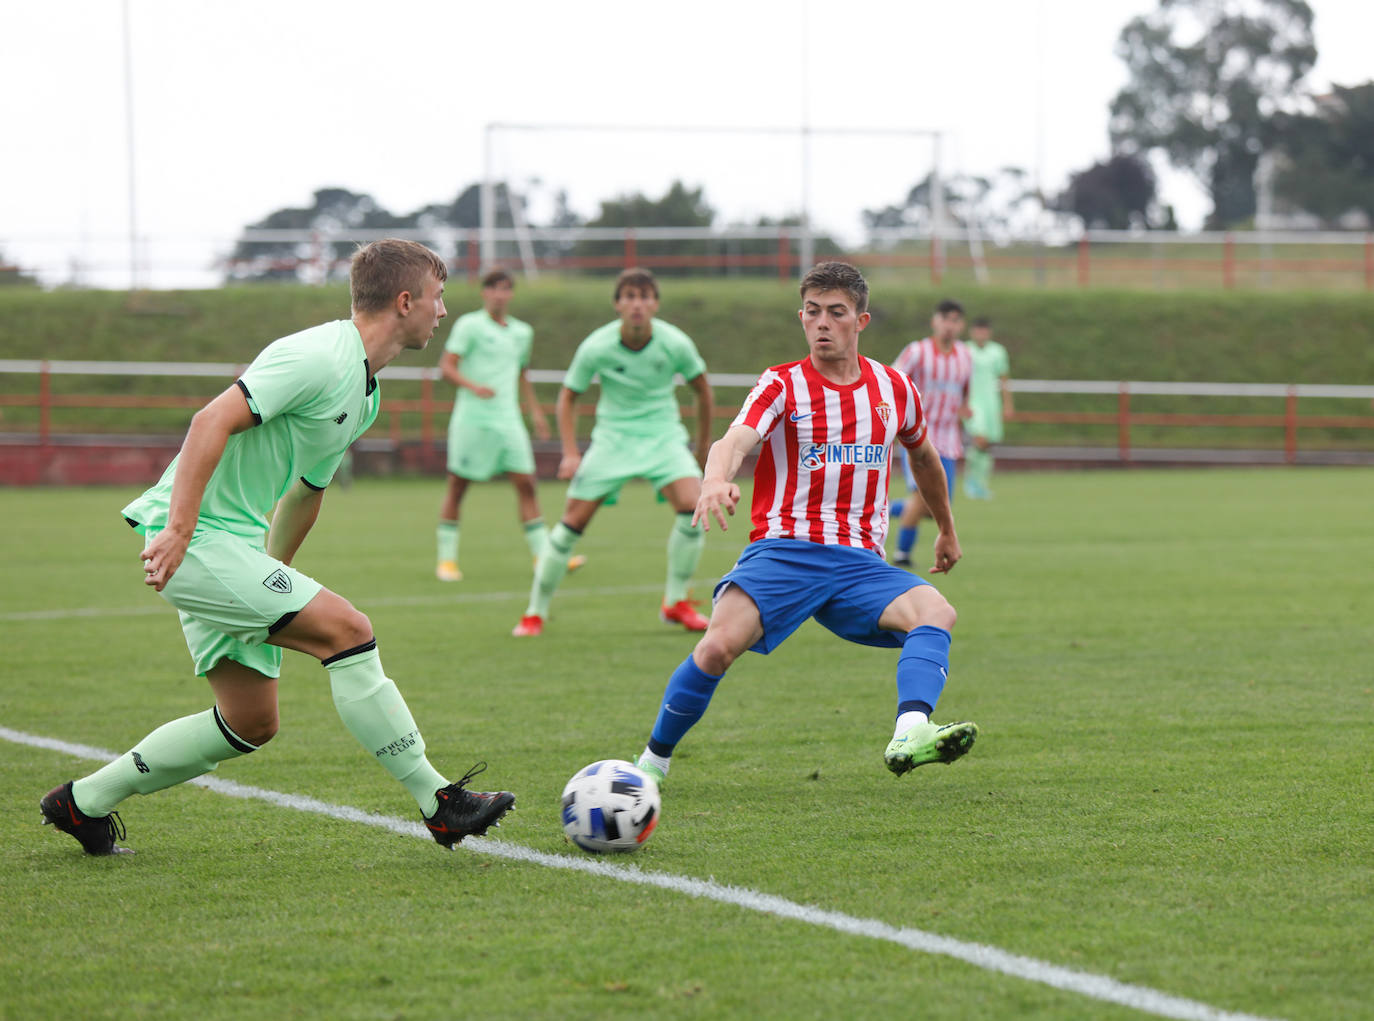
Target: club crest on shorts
column 278, row 581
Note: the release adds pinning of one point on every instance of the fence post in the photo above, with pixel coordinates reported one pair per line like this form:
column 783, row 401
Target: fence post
column 474, row 254
column 1369, row 262
column 936, row 255
column 630, row 248
column 426, row 410
column 1290, row 426
column 44, row 403
column 1123, row 422
column 1228, row 261
column 1083, row 261
column 784, row 256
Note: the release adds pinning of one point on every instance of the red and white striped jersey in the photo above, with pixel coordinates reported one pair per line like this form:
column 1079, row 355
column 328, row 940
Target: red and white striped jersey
column 823, row 468
column 942, row 378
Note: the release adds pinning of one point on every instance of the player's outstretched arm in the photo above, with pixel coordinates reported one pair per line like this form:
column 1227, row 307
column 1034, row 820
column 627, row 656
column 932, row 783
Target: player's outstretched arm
column 448, row 368
column 536, row 413
column 722, row 464
column 295, row 515
column 706, row 409
column 200, row 453
column 930, row 479
column 565, row 413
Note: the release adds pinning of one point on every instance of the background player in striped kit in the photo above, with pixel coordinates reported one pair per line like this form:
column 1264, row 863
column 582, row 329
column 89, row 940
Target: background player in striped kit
column 827, row 424
column 940, row 366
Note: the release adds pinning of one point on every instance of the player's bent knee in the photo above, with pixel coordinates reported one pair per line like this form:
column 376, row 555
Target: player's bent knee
column 354, row 628
column 937, row 612
column 255, row 727
column 715, row 652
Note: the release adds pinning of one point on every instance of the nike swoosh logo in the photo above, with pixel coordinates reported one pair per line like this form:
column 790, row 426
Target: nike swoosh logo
column 798, row 418
column 71, row 810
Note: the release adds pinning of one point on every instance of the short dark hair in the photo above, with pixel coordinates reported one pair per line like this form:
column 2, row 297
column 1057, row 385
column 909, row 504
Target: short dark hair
column 497, row 276
column 638, row 278
column 383, row 269
column 837, row 276
column 982, row 322
column 947, row 306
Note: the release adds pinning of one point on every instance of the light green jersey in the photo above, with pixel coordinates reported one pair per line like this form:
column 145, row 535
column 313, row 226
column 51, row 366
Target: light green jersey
column 491, row 355
column 637, row 387
column 990, row 364
column 312, row 394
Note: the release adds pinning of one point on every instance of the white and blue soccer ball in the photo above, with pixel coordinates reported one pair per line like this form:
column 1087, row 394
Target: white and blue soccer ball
column 611, row 805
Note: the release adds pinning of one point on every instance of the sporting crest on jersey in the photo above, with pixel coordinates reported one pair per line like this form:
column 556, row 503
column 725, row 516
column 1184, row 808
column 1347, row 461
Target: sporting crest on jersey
column 884, row 410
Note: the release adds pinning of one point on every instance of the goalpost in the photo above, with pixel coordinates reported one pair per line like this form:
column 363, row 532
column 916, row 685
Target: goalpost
column 498, row 134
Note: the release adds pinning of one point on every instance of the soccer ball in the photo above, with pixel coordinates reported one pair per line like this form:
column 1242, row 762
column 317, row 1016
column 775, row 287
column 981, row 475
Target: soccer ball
column 611, row 805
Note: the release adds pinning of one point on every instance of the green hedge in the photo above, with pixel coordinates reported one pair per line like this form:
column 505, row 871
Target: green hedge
column 745, row 325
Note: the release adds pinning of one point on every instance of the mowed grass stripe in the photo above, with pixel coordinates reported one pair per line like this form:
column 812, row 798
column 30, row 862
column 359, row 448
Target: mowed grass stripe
column 1097, row 987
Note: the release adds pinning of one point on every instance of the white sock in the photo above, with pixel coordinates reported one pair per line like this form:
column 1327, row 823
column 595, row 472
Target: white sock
column 908, row 720
column 654, row 760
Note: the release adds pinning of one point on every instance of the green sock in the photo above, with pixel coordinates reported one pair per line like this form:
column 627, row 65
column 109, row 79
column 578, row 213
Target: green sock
column 553, row 564
column 685, row 543
column 172, row 754
column 374, row 712
column 447, row 535
column 973, row 469
column 535, row 535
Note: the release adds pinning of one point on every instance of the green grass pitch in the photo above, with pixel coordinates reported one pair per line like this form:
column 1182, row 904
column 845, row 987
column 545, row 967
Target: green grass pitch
column 1172, row 788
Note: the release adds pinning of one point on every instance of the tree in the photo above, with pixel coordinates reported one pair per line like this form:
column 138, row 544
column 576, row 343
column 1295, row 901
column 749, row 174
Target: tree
column 334, row 211
column 1207, row 78
column 13, row 275
column 680, row 206
column 1118, row 194
column 999, row 206
column 1328, row 158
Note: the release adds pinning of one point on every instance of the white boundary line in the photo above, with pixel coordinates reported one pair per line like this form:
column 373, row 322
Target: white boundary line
column 20, row 616
column 1097, row 987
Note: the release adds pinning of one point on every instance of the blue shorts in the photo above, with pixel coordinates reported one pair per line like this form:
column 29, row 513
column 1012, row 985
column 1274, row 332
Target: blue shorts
column 846, row 588
column 948, row 463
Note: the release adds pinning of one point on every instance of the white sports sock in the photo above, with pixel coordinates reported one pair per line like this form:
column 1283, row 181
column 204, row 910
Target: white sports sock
column 908, row 720
column 654, row 760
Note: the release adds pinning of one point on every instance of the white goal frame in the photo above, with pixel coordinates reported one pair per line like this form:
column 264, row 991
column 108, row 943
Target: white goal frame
column 494, row 129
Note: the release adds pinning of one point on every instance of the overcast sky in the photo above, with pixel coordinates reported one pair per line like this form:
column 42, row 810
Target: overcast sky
column 242, row 108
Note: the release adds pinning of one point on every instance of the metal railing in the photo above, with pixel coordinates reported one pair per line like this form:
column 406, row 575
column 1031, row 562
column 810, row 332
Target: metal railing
column 1287, row 421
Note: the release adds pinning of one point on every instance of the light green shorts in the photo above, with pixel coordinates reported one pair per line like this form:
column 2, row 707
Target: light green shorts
column 614, row 459
column 481, row 452
column 986, row 422
column 232, row 596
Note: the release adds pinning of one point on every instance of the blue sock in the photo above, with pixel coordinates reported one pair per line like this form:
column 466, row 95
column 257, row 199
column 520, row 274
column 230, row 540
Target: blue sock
column 906, row 538
column 922, row 668
column 685, row 699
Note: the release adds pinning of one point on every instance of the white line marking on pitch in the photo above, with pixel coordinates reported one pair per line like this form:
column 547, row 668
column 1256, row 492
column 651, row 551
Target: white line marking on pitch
column 434, row 600
column 1097, row 987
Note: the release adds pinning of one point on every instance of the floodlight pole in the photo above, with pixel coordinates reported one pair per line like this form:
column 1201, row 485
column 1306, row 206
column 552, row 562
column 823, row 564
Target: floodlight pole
column 129, row 148
column 937, row 208
column 486, row 248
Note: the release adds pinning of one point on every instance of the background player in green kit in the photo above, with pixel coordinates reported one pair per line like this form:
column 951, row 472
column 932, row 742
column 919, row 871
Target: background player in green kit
column 275, row 438
column 638, row 434
column 485, row 357
column 989, row 398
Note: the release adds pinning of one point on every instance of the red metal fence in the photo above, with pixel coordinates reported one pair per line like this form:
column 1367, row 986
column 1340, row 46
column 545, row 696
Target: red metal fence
column 421, row 414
